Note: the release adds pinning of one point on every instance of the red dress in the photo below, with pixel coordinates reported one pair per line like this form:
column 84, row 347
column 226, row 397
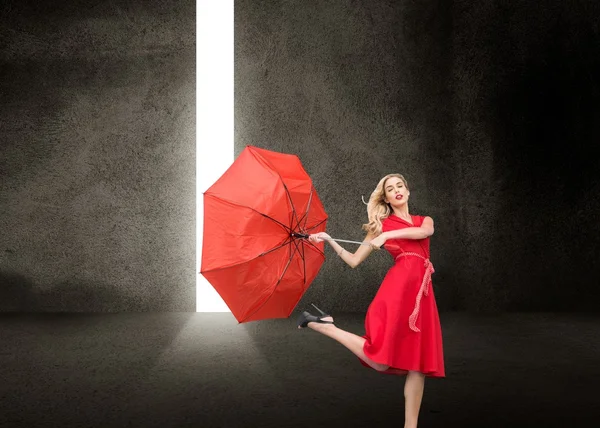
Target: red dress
column 402, row 325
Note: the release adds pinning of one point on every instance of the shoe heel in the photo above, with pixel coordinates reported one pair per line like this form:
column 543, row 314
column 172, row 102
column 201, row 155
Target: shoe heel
column 322, row 313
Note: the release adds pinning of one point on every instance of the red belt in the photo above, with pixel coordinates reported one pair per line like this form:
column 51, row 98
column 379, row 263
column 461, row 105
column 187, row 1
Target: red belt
column 424, row 290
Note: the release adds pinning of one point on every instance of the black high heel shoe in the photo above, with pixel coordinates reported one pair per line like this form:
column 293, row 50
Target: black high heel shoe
column 307, row 317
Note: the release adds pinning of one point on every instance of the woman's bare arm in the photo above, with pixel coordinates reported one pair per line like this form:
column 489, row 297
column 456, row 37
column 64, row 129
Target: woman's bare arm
column 420, row 232
column 356, row 258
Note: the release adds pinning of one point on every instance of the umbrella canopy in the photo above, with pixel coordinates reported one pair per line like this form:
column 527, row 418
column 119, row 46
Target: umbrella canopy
column 257, row 216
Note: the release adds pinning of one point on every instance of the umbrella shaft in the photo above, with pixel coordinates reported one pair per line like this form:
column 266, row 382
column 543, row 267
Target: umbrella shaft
column 351, row 242
column 305, row 236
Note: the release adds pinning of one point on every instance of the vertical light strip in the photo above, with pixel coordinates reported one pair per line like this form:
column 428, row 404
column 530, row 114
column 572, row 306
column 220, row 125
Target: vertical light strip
column 214, row 119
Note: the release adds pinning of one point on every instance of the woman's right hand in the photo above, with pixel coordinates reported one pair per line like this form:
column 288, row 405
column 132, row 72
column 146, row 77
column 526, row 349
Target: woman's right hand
column 319, row 237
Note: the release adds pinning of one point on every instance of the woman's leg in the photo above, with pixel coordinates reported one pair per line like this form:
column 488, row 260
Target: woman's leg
column 413, row 395
column 351, row 341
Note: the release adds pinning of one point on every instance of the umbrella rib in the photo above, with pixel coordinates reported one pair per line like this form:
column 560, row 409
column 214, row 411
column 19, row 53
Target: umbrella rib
column 314, row 246
column 305, row 216
column 300, row 250
column 317, row 225
column 276, row 248
column 303, row 264
column 291, row 202
column 288, row 241
column 276, row 285
column 286, row 228
column 284, row 186
column 246, row 261
column 295, row 243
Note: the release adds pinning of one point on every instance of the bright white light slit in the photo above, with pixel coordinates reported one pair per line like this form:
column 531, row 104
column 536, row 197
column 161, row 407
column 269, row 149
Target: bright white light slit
column 214, row 119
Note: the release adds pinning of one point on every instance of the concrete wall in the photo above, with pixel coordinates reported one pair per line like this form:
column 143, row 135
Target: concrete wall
column 97, row 165
column 527, row 127
column 490, row 110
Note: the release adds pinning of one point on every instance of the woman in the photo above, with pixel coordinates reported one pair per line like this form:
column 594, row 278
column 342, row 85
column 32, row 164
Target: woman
column 403, row 334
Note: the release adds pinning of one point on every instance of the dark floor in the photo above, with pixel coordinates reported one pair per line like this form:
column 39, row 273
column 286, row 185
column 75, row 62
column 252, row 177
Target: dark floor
column 205, row 370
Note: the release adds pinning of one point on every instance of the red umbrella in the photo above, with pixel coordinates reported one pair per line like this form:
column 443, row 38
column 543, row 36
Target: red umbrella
column 257, row 217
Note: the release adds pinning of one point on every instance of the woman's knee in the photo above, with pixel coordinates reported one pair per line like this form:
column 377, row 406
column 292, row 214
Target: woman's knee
column 381, row 367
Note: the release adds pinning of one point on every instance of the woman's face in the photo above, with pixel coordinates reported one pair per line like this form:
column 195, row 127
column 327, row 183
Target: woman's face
column 395, row 192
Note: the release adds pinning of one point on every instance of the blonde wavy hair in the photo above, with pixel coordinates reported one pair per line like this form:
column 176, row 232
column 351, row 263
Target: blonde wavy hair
column 377, row 208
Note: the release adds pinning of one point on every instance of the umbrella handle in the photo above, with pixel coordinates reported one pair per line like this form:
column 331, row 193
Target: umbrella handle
column 299, row 235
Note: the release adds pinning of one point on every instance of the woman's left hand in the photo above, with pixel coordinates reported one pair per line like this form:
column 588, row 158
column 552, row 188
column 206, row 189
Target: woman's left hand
column 378, row 242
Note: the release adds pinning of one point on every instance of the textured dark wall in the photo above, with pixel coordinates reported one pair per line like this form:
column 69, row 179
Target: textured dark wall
column 97, row 128
column 526, row 81
column 488, row 108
